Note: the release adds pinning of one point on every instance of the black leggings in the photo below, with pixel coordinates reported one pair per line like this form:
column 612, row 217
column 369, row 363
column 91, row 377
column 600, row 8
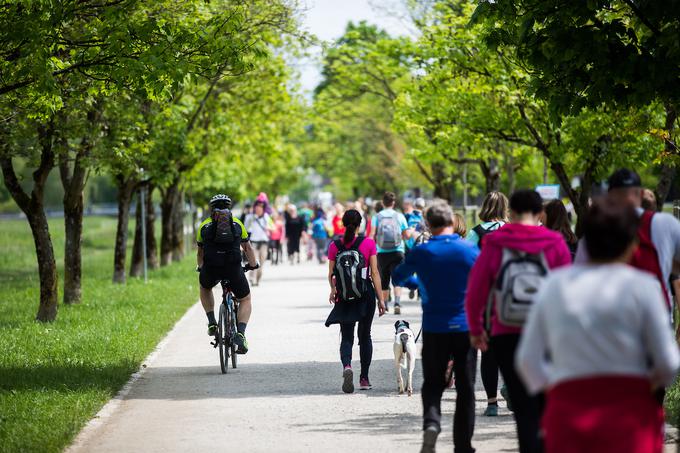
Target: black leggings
column 438, row 348
column 489, row 372
column 365, row 343
column 527, row 409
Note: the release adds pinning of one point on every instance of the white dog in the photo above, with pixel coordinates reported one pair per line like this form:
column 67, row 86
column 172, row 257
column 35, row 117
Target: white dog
column 404, row 355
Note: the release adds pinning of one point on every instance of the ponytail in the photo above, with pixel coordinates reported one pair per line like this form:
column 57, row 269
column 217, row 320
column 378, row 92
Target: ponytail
column 351, row 220
column 350, row 232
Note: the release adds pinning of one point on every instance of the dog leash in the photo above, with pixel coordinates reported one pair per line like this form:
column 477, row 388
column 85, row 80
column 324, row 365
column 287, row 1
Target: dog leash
column 419, row 332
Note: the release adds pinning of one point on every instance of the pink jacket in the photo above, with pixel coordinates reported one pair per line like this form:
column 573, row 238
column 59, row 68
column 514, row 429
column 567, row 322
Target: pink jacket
column 530, row 239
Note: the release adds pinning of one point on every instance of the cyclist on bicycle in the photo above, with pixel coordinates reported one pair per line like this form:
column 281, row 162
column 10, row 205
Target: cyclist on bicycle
column 220, row 239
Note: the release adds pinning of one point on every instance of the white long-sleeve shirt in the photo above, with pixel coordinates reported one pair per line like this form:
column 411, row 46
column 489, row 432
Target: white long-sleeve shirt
column 590, row 321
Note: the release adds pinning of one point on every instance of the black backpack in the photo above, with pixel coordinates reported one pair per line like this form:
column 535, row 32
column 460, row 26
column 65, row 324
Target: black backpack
column 350, row 284
column 481, row 232
column 221, row 240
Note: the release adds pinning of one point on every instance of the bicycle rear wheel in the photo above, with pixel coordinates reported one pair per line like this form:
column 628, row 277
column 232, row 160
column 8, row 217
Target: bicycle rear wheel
column 232, row 333
column 223, row 332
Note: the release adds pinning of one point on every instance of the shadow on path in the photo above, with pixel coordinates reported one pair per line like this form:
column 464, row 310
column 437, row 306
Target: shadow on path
column 292, row 379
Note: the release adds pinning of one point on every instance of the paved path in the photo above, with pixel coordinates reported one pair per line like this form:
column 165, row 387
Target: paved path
column 285, row 396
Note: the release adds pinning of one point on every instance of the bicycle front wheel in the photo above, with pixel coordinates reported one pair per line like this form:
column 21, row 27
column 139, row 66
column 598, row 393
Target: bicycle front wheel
column 223, row 332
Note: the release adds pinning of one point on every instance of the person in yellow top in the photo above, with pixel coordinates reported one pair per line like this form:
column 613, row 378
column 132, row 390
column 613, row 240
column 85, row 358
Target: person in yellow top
column 220, row 239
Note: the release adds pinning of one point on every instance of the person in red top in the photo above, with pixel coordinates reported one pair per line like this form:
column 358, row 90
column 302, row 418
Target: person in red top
column 523, row 234
column 338, row 227
column 275, row 238
column 658, row 233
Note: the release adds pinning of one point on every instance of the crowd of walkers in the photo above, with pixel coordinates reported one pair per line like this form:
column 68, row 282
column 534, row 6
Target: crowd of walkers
column 580, row 330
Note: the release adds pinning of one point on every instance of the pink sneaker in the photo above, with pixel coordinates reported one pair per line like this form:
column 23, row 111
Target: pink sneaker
column 364, row 384
column 347, row 380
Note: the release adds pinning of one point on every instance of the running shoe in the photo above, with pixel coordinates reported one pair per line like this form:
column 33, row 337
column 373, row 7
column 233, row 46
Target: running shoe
column 506, row 395
column 241, row 342
column 397, row 309
column 348, row 380
column 429, row 439
column 365, row 384
column 212, row 329
column 491, row 410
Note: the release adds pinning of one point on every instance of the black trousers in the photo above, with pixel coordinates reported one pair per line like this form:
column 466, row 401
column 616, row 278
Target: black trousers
column 438, row 349
column 489, row 371
column 526, row 409
column 365, row 344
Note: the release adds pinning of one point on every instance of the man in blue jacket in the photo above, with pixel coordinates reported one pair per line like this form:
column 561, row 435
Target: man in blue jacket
column 443, row 265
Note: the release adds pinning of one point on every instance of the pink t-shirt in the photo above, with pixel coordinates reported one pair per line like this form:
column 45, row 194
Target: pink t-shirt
column 277, row 234
column 367, row 248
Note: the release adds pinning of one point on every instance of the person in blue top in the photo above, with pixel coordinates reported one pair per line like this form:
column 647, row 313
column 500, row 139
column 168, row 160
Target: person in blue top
column 443, row 265
column 320, row 235
column 416, row 221
column 389, row 230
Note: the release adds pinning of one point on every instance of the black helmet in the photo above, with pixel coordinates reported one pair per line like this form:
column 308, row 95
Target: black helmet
column 220, row 201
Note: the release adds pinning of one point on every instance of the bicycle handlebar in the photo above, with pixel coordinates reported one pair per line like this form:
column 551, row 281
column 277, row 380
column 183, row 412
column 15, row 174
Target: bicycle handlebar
column 248, row 267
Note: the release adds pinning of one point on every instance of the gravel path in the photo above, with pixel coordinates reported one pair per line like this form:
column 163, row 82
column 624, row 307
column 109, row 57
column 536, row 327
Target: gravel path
column 285, row 396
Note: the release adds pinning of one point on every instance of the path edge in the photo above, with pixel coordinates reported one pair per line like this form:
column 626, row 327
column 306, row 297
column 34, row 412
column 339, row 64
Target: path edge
column 111, row 406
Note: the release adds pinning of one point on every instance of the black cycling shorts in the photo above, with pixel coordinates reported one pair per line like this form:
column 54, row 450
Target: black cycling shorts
column 387, row 262
column 211, row 276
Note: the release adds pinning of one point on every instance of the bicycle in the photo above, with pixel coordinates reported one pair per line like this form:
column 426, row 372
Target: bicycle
column 227, row 326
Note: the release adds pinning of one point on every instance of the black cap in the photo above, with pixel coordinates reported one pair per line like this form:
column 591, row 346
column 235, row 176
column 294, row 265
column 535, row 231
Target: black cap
column 624, row 178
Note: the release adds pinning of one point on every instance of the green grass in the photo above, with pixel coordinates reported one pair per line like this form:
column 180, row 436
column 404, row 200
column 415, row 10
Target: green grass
column 55, row 377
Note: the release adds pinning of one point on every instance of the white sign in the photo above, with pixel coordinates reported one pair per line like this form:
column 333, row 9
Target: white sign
column 549, row 191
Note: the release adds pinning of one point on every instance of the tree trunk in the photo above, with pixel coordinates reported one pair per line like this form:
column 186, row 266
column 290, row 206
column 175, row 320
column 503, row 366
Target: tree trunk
column 578, row 198
column 47, row 265
column 73, row 182
column 151, row 243
column 137, row 261
column 126, row 187
column 178, row 229
column 664, row 185
column 32, row 206
column 667, row 172
column 442, row 186
column 510, row 171
column 168, row 206
column 194, row 219
column 73, row 223
column 492, row 175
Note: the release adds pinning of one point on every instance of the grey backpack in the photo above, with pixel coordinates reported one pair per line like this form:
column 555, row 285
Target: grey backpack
column 348, row 272
column 519, row 280
column 388, row 231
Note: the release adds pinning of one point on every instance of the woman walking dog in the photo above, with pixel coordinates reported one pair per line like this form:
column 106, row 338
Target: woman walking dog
column 355, row 283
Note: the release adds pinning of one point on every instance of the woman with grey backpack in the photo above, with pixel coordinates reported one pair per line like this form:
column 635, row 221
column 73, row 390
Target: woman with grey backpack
column 512, row 264
column 355, row 284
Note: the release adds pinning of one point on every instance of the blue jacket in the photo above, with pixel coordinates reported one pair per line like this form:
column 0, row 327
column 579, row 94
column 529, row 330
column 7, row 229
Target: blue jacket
column 443, row 265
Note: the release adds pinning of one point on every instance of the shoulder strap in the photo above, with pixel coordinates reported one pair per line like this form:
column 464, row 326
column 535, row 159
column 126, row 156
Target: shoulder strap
column 645, row 228
column 339, row 245
column 357, row 243
column 479, row 229
column 257, row 221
